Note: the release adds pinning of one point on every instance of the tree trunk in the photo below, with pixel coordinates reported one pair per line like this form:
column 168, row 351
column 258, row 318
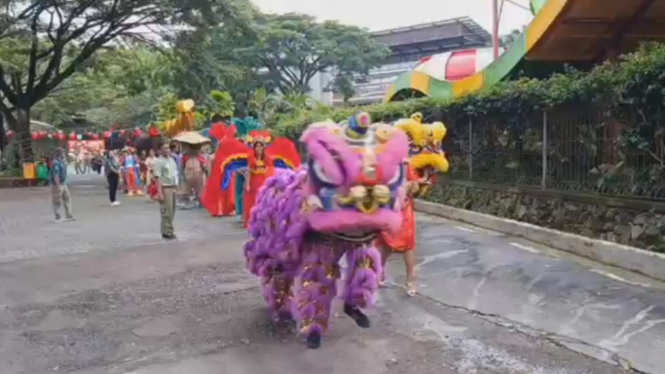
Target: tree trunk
column 3, row 135
column 23, row 135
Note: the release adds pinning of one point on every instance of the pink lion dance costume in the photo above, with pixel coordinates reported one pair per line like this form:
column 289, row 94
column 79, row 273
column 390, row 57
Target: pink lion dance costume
column 305, row 220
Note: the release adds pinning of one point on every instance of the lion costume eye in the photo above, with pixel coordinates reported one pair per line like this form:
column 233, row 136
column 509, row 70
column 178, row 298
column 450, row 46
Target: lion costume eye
column 320, row 174
column 397, row 177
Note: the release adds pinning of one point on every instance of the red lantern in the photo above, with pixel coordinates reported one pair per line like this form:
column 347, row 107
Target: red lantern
column 42, row 134
column 10, row 134
column 72, row 136
column 138, row 132
column 107, row 134
column 61, row 136
column 95, row 136
column 122, row 132
column 35, row 135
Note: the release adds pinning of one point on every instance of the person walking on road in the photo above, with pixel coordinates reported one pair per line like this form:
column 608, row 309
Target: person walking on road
column 112, row 168
column 59, row 192
column 166, row 177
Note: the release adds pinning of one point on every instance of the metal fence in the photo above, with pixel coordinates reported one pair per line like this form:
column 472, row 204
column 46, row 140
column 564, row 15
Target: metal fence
column 564, row 149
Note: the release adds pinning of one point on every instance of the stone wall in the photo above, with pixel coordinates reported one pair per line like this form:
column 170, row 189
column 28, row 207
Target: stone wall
column 642, row 228
column 11, row 182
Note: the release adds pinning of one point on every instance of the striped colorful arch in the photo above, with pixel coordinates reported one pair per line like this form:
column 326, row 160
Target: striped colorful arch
column 445, row 82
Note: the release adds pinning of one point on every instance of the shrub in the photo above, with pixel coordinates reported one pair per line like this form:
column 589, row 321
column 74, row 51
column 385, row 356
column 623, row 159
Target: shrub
column 636, row 80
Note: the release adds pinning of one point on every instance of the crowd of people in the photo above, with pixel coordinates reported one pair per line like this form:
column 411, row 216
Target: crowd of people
column 242, row 177
column 162, row 176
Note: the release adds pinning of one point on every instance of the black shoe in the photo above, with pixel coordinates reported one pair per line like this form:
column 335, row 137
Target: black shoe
column 358, row 316
column 313, row 340
column 169, row 237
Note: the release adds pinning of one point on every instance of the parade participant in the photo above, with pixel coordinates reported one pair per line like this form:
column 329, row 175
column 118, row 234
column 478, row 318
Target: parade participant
column 306, row 220
column 166, row 177
column 258, row 160
column 194, row 171
column 149, row 164
column 59, row 192
column 215, row 200
column 243, row 127
column 97, row 162
column 425, row 158
column 150, row 180
column 143, row 169
column 79, row 165
column 130, row 170
column 112, row 168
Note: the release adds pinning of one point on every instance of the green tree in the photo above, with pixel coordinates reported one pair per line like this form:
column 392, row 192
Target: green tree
column 46, row 42
column 343, row 84
column 218, row 105
column 293, row 48
column 120, row 87
column 207, row 59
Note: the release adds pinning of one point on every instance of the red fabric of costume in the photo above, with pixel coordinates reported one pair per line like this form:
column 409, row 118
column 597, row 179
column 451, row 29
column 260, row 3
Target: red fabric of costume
column 259, row 172
column 405, row 239
column 281, row 152
column 216, row 201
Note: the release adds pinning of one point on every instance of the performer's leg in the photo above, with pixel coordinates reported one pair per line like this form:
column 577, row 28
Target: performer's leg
column 131, row 182
column 410, row 263
column 239, row 191
column 385, row 254
column 362, row 281
column 137, row 182
column 318, row 287
column 277, row 289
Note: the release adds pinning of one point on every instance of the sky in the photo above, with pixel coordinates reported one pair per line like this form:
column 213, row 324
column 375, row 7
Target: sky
column 384, row 14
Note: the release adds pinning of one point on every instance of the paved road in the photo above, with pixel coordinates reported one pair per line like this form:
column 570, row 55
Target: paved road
column 105, row 295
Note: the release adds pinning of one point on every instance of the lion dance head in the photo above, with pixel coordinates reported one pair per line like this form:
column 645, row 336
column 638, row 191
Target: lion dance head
column 426, row 155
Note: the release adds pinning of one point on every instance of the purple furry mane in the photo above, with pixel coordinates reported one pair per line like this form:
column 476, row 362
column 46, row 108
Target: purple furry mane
column 276, row 228
column 276, row 224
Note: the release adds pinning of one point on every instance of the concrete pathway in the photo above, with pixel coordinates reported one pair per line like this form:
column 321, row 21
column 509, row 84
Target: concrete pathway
column 105, row 295
column 604, row 312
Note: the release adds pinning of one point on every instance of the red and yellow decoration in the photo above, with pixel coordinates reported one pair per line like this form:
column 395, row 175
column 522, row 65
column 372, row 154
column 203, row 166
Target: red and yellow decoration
column 235, row 156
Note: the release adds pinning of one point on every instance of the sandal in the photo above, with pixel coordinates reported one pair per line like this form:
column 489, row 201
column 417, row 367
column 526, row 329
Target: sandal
column 411, row 289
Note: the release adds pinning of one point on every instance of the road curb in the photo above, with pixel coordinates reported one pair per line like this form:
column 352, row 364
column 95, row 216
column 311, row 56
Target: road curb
column 630, row 258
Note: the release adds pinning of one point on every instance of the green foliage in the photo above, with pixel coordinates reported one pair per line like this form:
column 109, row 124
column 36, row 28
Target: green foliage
column 120, row 87
column 218, row 105
column 167, row 107
column 343, row 84
column 293, row 48
column 208, row 59
column 636, row 79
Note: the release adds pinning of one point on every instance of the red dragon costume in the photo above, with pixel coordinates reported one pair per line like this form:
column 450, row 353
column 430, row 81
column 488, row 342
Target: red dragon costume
column 257, row 158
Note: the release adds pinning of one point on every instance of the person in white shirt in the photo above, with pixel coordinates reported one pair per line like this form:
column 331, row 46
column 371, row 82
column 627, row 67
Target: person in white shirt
column 166, row 176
